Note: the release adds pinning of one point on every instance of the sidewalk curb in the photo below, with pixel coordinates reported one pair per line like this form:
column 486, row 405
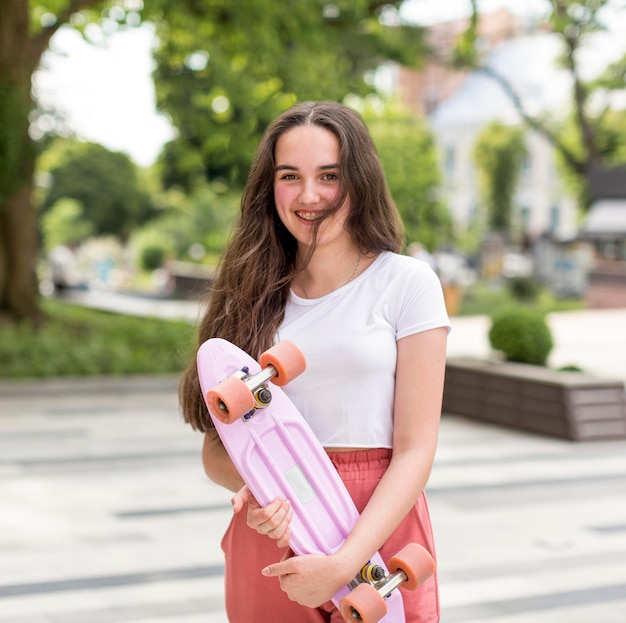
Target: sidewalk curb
column 24, row 388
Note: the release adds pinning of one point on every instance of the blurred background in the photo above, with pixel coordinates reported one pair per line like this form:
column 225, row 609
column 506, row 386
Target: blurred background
column 126, row 134
column 500, row 126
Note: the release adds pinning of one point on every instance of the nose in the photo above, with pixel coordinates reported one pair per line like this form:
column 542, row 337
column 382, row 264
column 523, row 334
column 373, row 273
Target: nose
column 309, row 193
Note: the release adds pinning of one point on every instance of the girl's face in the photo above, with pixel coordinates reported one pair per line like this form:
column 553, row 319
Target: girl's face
column 306, row 183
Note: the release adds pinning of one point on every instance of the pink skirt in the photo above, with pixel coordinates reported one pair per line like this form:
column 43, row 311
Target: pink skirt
column 252, row 597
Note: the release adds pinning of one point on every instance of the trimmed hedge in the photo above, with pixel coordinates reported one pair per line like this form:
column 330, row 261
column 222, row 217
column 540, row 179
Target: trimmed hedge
column 522, row 335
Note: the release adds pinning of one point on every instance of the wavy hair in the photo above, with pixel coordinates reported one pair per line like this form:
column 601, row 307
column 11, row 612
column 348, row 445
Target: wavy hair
column 247, row 301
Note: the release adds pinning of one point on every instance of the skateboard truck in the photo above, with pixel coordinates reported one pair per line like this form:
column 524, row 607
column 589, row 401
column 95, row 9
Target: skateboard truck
column 371, row 573
column 238, row 395
column 375, row 576
column 256, row 385
column 371, row 588
column 388, row 583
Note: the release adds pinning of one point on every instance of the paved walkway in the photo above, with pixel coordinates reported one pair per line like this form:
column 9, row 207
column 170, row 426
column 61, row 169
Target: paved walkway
column 106, row 517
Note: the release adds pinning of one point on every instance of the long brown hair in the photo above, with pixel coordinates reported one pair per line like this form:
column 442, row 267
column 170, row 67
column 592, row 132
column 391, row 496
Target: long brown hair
column 248, row 299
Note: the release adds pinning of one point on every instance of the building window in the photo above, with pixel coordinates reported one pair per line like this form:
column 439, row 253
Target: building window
column 431, row 100
column 474, row 214
column 527, row 167
column 554, row 218
column 525, row 219
column 449, row 160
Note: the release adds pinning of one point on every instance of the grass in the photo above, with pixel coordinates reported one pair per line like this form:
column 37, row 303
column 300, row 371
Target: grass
column 76, row 341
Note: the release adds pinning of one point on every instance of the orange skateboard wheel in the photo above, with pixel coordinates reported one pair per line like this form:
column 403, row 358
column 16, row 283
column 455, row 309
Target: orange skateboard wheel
column 287, row 359
column 415, row 562
column 230, row 400
column 364, row 603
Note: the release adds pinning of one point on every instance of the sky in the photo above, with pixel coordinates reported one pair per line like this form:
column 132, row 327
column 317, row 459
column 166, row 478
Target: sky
column 106, row 92
column 431, row 11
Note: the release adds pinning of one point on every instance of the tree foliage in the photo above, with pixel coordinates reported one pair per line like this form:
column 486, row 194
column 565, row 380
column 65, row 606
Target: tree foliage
column 499, row 153
column 199, row 220
column 105, row 183
column 409, row 156
column 64, row 224
column 225, row 70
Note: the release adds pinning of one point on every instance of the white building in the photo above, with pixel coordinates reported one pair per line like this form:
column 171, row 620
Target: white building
column 460, row 105
column 541, row 204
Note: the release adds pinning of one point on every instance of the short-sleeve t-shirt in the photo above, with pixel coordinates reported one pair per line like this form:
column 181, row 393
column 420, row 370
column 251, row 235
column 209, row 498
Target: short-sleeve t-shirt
column 349, row 339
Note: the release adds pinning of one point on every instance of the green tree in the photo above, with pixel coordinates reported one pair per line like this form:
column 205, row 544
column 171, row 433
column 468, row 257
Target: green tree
column 409, row 156
column 107, row 185
column 224, row 69
column 65, row 224
column 499, row 153
column 583, row 147
column 610, row 129
column 202, row 218
column 25, row 32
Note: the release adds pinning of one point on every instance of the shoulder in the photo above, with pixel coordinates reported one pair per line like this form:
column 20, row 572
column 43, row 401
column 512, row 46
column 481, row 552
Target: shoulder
column 403, row 279
column 397, row 265
column 413, row 295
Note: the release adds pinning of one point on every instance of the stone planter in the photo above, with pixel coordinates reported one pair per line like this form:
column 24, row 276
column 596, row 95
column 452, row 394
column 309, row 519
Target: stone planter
column 191, row 281
column 568, row 405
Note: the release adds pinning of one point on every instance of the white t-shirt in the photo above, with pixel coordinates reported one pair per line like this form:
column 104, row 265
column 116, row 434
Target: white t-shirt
column 349, row 340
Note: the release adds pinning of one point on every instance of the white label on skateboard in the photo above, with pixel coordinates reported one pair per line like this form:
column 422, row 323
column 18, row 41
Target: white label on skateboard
column 299, row 483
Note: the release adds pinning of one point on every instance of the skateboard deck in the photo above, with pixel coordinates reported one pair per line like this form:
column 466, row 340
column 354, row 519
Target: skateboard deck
column 277, row 454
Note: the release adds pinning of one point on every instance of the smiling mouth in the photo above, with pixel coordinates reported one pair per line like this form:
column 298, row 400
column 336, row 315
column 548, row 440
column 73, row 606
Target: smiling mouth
column 309, row 216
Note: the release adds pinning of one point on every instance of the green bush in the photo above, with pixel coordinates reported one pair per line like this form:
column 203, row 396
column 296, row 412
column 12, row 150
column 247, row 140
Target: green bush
column 75, row 341
column 525, row 289
column 522, row 335
column 152, row 257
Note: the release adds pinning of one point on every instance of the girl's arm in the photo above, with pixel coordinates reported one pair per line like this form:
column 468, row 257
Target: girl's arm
column 312, row 580
column 217, row 464
column 272, row 520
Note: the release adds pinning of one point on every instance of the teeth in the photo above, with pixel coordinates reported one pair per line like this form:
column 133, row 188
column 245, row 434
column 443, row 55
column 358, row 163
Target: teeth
column 309, row 216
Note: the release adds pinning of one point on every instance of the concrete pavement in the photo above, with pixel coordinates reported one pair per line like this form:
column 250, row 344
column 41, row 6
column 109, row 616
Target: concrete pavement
column 106, row 517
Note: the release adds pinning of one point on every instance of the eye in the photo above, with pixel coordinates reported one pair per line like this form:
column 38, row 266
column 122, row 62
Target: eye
column 288, row 176
column 330, row 177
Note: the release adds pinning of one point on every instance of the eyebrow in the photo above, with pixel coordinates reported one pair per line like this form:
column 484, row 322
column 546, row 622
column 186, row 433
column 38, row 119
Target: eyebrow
column 289, row 167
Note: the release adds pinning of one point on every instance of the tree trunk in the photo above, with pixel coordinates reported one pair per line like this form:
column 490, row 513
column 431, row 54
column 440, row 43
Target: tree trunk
column 19, row 245
column 20, row 52
column 19, row 251
column 18, row 233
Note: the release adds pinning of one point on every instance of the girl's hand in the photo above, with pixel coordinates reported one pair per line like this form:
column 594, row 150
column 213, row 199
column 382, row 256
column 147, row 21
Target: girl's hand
column 273, row 520
column 311, row 580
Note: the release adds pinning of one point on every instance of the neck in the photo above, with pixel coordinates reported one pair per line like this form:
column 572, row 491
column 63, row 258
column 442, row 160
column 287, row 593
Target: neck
column 325, row 273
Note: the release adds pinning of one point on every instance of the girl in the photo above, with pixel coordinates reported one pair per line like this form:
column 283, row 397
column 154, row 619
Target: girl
column 315, row 259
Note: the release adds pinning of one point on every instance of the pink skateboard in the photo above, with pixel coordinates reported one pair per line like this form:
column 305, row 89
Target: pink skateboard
column 277, row 454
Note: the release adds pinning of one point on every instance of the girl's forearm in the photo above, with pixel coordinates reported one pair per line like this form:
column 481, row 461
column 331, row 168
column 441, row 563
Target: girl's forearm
column 391, row 501
column 218, row 465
